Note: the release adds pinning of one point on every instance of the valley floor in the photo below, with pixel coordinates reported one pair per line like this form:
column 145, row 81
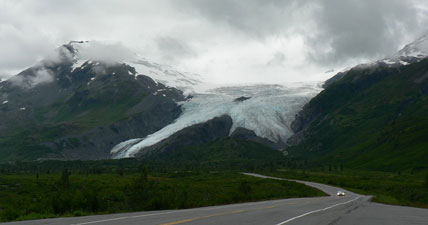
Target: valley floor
column 350, row 209
column 25, row 196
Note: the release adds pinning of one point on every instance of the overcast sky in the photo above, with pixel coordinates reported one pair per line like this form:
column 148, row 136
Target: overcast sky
column 226, row 41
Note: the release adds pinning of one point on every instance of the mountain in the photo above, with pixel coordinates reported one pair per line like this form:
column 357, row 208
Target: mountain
column 93, row 101
column 373, row 116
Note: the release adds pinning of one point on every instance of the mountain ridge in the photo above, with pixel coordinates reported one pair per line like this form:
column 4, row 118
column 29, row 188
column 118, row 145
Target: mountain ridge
column 369, row 117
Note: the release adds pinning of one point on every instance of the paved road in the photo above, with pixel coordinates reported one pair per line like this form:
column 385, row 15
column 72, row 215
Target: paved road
column 349, row 210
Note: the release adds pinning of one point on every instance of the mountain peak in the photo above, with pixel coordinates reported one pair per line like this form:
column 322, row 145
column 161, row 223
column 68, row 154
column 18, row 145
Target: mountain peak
column 417, row 49
column 410, row 53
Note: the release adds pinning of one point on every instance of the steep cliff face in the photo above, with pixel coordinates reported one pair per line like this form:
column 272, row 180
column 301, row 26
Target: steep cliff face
column 338, row 91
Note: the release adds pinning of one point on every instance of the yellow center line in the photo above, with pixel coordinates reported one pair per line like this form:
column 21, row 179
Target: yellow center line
column 274, row 206
column 202, row 217
column 182, row 221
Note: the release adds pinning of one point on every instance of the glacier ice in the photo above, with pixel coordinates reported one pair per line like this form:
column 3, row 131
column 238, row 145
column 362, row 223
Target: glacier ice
column 269, row 112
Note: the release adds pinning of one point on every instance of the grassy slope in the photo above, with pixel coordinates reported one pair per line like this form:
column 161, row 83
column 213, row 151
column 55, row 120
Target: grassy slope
column 31, row 196
column 371, row 120
column 72, row 115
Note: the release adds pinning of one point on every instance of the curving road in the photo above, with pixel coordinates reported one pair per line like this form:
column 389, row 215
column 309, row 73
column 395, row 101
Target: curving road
column 350, row 209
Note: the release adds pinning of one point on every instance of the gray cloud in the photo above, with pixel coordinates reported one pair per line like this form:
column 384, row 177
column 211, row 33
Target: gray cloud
column 256, row 18
column 172, row 48
column 106, row 52
column 277, row 60
column 40, row 76
column 362, row 29
column 337, row 30
column 224, row 39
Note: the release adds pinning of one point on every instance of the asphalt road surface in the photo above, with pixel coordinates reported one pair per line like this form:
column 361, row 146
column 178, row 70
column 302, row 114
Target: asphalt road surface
column 347, row 210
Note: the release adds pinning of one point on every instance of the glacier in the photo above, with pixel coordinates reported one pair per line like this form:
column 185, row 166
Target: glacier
column 268, row 111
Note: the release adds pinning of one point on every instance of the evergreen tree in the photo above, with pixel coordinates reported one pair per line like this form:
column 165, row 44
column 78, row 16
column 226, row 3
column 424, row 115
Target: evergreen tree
column 65, row 181
column 140, row 191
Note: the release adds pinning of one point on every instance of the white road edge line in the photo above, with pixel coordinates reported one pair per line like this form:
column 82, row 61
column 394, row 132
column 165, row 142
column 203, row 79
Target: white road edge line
column 319, row 210
column 185, row 210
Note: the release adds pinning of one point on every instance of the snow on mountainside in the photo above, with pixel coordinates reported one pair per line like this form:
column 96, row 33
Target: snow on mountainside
column 185, row 81
column 411, row 53
column 268, row 110
column 417, row 49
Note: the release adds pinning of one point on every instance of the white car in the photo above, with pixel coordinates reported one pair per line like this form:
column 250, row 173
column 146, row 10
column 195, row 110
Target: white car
column 340, row 193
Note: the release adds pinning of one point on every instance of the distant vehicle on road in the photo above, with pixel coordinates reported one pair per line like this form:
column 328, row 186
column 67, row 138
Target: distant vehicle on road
column 340, row 193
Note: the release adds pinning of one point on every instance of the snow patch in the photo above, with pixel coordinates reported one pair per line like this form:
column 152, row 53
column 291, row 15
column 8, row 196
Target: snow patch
column 77, row 64
column 125, row 145
column 387, row 61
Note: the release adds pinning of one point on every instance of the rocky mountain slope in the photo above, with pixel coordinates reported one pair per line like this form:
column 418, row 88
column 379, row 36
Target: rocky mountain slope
column 65, row 109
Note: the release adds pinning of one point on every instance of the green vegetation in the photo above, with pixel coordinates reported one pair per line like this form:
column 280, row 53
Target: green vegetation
column 221, row 154
column 89, row 108
column 389, row 188
column 41, row 195
column 371, row 119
